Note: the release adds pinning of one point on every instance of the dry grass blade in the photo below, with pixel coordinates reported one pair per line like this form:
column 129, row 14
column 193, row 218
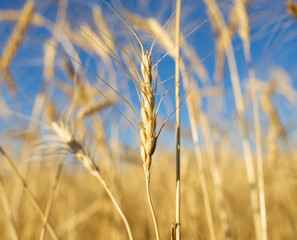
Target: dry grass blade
column 51, row 198
column 92, row 39
column 242, row 20
column 11, row 222
column 15, row 41
column 222, row 33
column 29, row 193
column 191, row 103
column 78, row 218
column 275, row 127
column 197, row 117
column 14, row 16
column 78, row 39
column 92, row 108
column 49, row 59
column 100, row 21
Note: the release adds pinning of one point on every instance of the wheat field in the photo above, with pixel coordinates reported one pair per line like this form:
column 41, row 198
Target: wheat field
column 148, row 119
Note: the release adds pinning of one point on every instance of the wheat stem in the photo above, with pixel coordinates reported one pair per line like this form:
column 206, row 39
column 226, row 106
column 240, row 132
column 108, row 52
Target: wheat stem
column 148, row 194
column 254, row 196
column 177, row 104
column 258, row 136
column 109, row 193
column 201, row 171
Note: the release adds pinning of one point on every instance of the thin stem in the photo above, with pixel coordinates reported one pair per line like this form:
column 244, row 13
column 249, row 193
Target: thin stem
column 51, row 199
column 258, row 137
column 177, row 102
column 239, row 104
column 148, row 193
column 109, row 193
column 201, row 171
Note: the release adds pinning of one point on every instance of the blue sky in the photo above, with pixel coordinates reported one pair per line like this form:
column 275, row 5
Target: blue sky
column 273, row 46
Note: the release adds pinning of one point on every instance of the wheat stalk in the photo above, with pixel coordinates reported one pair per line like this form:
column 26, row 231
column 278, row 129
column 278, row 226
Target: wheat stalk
column 82, row 154
column 242, row 21
column 177, row 104
column 220, row 24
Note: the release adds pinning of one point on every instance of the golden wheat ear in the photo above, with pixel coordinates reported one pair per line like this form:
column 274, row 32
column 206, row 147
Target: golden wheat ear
column 148, row 140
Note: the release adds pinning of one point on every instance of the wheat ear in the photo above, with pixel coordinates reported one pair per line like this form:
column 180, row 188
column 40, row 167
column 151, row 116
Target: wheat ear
column 148, row 127
column 82, row 154
column 148, row 115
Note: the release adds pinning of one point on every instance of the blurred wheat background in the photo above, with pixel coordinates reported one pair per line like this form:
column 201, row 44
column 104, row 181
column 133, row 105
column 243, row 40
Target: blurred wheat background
column 87, row 119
